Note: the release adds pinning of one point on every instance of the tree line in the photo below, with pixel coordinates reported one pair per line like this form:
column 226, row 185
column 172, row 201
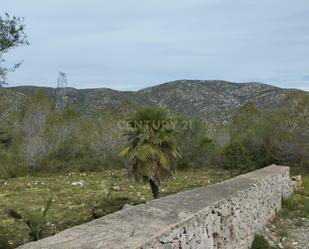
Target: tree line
column 37, row 138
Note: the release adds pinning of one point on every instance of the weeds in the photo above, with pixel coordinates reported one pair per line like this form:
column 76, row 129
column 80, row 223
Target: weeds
column 289, row 203
column 35, row 220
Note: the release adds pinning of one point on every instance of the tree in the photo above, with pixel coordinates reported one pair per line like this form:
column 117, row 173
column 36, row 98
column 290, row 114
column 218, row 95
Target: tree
column 234, row 156
column 36, row 112
column 249, row 133
column 245, row 119
column 152, row 148
column 12, row 35
column 194, row 142
column 291, row 138
column 105, row 134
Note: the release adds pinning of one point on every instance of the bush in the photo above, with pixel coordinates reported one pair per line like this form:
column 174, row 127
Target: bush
column 10, row 165
column 235, row 156
column 260, row 242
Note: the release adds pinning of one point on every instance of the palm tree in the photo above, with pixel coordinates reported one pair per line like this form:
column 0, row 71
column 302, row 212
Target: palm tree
column 152, row 150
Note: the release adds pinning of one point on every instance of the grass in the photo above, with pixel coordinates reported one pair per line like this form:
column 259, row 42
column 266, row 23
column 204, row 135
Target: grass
column 102, row 193
column 297, row 205
column 294, row 209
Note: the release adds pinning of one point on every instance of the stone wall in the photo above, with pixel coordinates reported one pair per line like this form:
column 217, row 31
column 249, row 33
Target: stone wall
column 224, row 215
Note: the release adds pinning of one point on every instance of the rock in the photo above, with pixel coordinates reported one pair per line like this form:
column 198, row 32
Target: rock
column 272, row 237
column 117, row 188
column 298, row 183
column 80, row 183
column 271, row 243
column 280, row 246
column 127, row 206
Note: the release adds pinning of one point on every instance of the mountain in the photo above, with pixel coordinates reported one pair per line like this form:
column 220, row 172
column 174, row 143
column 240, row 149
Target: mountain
column 213, row 101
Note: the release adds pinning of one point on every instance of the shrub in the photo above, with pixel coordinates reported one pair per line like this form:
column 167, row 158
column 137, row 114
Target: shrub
column 10, row 165
column 234, row 156
column 35, row 221
column 260, row 242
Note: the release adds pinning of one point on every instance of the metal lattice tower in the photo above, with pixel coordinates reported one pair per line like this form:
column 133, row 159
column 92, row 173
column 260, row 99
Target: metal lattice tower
column 61, row 98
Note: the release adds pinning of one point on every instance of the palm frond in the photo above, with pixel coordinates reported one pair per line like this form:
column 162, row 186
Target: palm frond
column 125, row 151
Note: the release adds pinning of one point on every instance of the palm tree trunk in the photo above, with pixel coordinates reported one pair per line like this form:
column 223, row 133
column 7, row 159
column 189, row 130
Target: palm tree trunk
column 154, row 189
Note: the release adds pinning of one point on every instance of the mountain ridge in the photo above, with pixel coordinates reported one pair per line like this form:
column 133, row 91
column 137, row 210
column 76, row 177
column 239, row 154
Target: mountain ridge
column 158, row 84
column 213, row 101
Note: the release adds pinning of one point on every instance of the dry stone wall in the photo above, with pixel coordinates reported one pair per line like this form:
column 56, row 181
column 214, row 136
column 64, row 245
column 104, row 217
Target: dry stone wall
column 226, row 215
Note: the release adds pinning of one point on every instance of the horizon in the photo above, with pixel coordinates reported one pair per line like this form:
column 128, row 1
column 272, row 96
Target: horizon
column 129, row 45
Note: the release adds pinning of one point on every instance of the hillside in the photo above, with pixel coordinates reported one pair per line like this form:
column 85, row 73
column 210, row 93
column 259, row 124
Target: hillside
column 212, row 101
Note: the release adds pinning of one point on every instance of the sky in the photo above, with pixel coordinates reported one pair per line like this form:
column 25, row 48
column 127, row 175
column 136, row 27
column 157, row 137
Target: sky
column 132, row 44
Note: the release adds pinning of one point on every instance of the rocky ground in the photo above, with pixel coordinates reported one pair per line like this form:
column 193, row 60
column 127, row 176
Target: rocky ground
column 285, row 233
column 301, row 236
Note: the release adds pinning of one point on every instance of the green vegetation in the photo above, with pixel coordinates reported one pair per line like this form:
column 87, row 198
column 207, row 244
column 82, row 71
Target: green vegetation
column 36, row 138
column 152, row 147
column 297, row 205
column 80, row 197
column 260, row 243
column 11, row 36
column 35, row 221
column 281, row 137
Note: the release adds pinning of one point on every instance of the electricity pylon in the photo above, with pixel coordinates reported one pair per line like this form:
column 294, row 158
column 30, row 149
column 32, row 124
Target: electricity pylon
column 61, row 91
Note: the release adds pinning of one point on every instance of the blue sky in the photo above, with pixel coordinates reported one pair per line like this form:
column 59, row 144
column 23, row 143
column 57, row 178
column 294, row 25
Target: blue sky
column 131, row 44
